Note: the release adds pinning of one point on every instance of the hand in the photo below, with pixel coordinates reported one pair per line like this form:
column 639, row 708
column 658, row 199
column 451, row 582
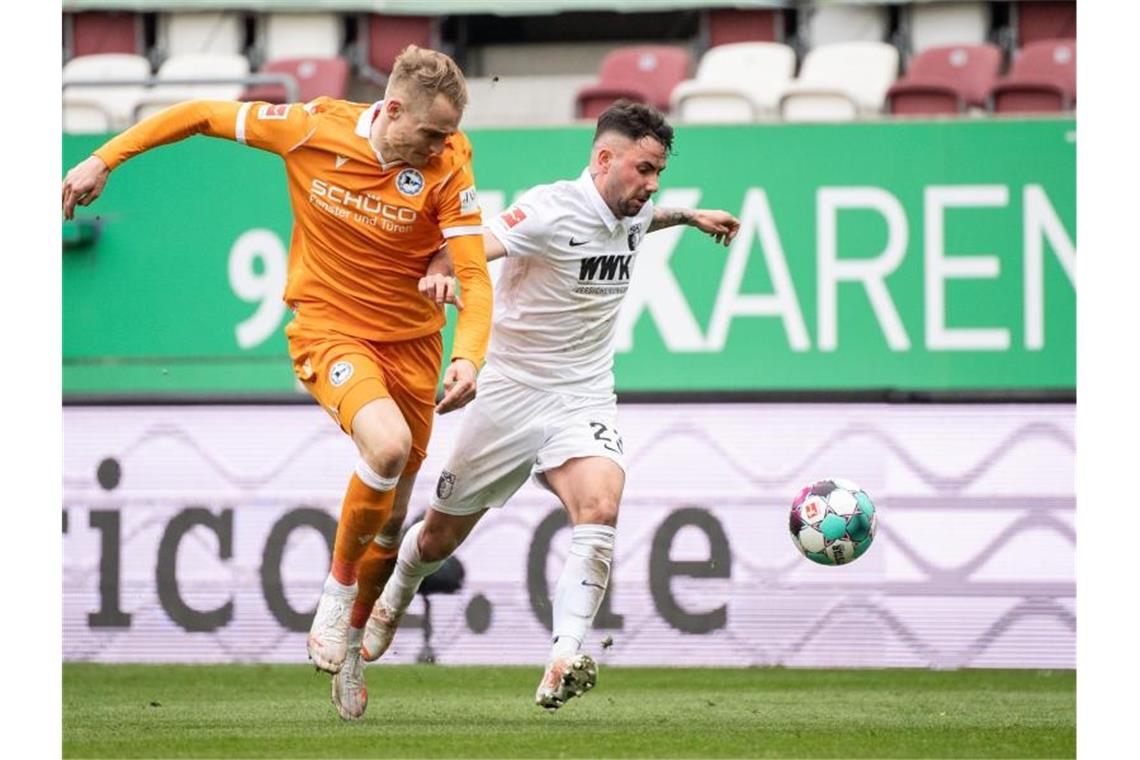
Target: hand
column 721, row 225
column 458, row 386
column 83, row 184
column 440, row 288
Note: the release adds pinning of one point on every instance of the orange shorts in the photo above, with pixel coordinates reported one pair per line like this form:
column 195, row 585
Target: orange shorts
column 345, row 373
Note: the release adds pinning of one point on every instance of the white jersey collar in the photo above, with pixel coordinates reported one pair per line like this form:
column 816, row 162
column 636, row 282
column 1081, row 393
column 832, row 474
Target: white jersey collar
column 364, row 129
column 595, row 198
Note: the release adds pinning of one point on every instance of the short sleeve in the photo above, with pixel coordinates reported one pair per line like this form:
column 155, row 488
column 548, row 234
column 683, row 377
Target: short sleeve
column 525, row 228
column 275, row 127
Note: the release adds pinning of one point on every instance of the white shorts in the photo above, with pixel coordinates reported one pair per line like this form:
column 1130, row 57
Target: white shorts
column 511, row 431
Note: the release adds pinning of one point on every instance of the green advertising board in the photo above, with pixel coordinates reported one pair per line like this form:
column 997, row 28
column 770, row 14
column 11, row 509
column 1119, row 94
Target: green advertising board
column 916, row 256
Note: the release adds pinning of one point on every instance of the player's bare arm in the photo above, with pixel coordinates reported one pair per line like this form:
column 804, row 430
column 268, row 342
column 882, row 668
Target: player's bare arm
column 720, row 225
column 83, row 184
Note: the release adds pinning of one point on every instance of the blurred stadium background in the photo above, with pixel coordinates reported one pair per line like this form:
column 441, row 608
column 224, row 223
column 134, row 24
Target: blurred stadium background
column 899, row 310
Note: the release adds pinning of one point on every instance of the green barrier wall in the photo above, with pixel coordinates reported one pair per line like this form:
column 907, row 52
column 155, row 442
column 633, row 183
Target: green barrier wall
column 913, row 256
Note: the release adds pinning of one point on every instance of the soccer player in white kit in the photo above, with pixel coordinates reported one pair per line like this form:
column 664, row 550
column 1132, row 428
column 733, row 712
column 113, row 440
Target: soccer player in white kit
column 545, row 403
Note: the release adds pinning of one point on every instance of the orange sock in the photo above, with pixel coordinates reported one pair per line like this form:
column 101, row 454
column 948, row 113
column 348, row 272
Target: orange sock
column 363, row 514
column 372, row 573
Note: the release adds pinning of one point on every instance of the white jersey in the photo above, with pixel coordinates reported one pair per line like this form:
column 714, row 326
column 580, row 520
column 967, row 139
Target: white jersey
column 568, row 267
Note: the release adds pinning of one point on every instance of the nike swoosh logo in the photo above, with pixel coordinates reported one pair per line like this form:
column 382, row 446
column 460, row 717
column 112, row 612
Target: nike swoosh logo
column 575, row 243
column 595, row 585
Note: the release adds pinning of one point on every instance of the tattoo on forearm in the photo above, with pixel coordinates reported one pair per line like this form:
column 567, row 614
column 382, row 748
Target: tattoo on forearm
column 668, row 217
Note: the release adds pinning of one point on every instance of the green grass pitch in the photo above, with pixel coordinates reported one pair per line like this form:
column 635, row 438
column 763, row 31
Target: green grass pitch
column 434, row 711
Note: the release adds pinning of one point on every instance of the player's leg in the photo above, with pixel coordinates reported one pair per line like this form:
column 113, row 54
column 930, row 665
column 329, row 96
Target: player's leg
column 411, row 372
column 344, row 376
column 381, row 435
column 424, row 548
column 583, row 466
column 492, row 457
column 349, row 691
column 380, row 558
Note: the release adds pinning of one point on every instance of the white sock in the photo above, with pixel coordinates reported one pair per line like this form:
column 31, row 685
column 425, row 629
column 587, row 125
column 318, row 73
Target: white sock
column 410, row 571
column 333, row 586
column 581, row 586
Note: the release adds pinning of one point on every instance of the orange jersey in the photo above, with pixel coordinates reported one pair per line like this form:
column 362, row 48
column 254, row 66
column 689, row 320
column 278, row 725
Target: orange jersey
column 364, row 230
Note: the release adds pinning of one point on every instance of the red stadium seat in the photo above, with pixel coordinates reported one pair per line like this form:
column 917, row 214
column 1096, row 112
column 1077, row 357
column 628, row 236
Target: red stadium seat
column 388, row 35
column 730, row 25
column 97, row 32
column 1041, row 20
column 1043, row 79
column 645, row 73
column 314, row 76
column 946, row 80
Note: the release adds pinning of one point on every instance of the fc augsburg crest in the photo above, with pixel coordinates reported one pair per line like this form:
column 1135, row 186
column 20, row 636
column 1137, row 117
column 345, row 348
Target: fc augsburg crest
column 634, row 236
column 445, row 485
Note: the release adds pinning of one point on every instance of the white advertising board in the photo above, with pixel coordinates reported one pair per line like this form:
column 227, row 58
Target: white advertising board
column 202, row 534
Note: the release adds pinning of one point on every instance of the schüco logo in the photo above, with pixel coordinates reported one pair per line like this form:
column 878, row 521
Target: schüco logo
column 368, row 204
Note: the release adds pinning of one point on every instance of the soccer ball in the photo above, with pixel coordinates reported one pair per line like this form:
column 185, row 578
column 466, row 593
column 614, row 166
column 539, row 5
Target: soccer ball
column 833, row 522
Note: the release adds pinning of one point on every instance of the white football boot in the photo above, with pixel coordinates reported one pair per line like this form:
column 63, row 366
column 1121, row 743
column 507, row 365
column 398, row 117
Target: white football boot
column 327, row 643
column 566, row 677
column 379, row 631
column 349, row 693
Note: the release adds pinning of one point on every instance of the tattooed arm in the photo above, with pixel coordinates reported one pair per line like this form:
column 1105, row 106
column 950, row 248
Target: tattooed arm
column 720, row 225
column 668, row 217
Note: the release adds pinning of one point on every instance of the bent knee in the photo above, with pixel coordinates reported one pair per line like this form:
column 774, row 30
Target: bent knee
column 598, row 511
column 387, row 455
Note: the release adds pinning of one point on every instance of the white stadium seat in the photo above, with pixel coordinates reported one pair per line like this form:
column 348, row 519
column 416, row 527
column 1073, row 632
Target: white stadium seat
column 195, row 66
column 735, row 83
column 212, row 32
column 102, row 108
column 829, row 24
column 841, row 82
column 940, row 24
column 301, row 35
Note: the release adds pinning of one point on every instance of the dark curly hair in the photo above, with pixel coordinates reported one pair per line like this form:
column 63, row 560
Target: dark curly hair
column 635, row 121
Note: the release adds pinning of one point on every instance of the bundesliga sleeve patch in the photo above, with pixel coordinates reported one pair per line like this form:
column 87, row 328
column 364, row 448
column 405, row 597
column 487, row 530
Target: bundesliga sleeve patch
column 279, row 111
column 468, row 201
column 512, row 216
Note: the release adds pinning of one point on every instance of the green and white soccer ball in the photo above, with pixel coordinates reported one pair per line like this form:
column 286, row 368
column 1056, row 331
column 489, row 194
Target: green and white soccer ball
column 833, row 522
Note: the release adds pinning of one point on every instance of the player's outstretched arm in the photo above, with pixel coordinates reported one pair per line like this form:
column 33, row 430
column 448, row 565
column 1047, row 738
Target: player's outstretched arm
column 83, row 184
column 231, row 120
column 720, row 225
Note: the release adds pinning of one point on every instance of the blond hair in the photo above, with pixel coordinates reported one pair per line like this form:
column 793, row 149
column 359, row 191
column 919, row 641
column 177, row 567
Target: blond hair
column 419, row 72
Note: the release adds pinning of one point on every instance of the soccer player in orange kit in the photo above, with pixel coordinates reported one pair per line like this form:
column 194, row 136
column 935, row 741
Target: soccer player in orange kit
column 375, row 190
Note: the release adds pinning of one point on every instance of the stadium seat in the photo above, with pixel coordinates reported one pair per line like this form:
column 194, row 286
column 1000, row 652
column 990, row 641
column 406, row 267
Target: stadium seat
column 523, row 101
column 946, row 80
column 831, row 24
column 314, row 77
column 300, row 35
column 96, row 32
column 200, row 32
column 230, row 69
column 388, row 35
column 102, row 108
column 736, row 83
column 727, row 26
column 1043, row 79
column 1045, row 20
column 941, row 24
column 841, row 82
column 646, row 73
